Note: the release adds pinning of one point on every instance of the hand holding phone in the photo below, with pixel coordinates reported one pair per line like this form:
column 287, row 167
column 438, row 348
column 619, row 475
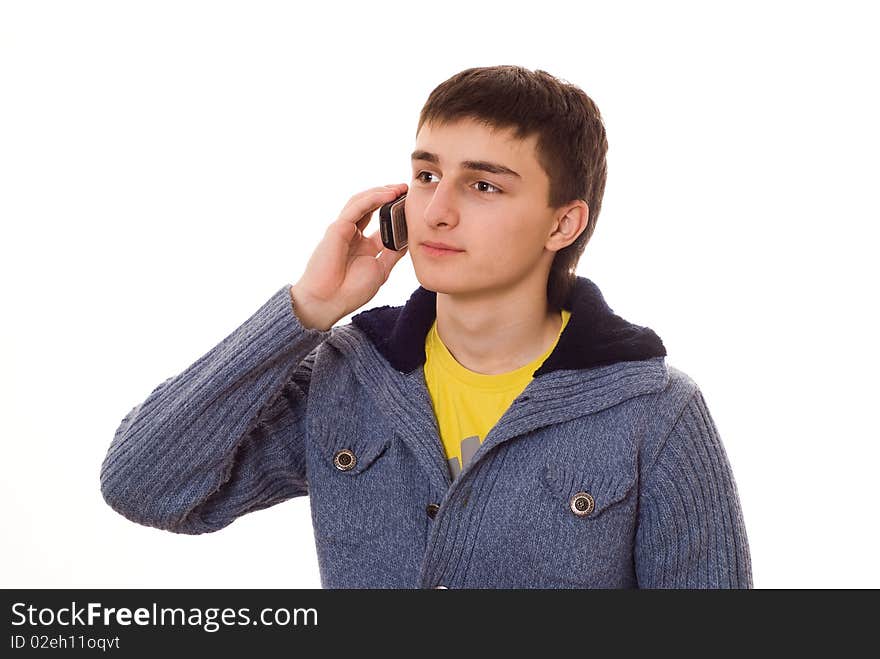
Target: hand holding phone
column 347, row 268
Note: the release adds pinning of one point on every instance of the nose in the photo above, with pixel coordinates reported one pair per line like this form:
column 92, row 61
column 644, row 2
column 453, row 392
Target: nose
column 442, row 208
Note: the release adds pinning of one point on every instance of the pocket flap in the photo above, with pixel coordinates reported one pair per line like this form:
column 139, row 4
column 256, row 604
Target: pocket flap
column 364, row 448
column 604, row 488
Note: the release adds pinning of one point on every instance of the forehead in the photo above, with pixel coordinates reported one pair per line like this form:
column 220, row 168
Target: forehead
column 467, row 139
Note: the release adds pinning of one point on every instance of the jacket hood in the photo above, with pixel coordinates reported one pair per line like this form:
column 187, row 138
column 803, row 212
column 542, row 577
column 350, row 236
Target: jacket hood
column 594, row 335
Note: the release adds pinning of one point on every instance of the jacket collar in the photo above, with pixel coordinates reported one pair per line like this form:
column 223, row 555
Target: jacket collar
column 594, row 336
column 600, row 361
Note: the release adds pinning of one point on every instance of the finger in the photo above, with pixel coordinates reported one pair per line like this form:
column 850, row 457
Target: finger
column 376, row 244
column 362, row 205
column 399, row 188
column 361, row 211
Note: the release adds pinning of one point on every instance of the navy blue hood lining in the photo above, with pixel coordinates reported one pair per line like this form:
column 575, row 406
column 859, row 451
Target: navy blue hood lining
column 594, row 336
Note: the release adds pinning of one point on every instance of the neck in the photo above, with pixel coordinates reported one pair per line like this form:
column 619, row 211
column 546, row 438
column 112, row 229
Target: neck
column 498, row 332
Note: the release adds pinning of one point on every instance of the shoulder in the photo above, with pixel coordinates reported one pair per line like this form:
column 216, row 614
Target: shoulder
column 665, row 410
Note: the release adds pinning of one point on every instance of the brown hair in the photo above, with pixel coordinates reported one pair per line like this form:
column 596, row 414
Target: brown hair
column 571, row 144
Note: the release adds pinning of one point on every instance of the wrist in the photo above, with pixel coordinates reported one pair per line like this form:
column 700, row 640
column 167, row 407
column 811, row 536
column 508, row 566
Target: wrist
column 311, row 313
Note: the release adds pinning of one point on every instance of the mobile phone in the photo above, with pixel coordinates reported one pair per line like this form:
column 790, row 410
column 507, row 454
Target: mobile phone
column 392, row 224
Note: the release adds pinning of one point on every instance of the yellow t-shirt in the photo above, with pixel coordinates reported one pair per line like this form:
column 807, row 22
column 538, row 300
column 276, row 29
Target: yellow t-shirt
column 468, row 404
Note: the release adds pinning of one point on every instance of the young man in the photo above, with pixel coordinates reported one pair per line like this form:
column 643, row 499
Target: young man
column 502, row 429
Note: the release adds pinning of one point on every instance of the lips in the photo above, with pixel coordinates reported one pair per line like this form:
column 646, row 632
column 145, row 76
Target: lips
column 442, row 246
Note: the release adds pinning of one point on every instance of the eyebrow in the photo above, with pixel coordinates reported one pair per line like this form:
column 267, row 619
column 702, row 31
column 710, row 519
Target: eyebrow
column 475, row 165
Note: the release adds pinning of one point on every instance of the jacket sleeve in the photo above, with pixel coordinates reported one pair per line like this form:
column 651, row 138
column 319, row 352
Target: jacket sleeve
column 691, row 532
column 224, row 437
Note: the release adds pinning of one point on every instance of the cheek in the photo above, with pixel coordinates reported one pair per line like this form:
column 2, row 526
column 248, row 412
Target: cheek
column 414, row 205
column 515, row 237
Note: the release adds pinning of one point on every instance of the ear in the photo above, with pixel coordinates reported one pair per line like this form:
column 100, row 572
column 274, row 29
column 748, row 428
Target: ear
column 571, row 220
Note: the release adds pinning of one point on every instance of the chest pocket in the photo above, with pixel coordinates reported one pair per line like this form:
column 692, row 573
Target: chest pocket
column 353, row 492
column 351, row 457
column 586, row 496
column 587, row 525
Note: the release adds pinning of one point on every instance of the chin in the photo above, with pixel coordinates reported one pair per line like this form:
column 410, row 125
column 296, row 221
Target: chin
column 452, row 280
column 435, row 279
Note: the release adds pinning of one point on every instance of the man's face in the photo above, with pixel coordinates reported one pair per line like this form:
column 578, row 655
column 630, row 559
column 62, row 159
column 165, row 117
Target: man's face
column 501, row 220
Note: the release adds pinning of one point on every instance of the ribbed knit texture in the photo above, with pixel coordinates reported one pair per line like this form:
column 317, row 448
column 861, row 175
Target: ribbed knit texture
column 691, row 532
column 220, row 426
column 260, row 417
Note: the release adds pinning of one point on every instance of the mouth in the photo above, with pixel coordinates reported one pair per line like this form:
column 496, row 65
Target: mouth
column 434, row 250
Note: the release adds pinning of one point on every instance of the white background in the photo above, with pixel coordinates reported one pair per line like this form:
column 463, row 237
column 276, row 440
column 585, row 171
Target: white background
column 166, row 166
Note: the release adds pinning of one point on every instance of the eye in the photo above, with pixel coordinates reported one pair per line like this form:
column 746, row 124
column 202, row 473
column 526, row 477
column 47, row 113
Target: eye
column 497, row 190
column 494, row 189
column 418, row 177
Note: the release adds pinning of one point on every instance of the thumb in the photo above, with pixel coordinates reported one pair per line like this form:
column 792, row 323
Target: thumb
column 389, row 258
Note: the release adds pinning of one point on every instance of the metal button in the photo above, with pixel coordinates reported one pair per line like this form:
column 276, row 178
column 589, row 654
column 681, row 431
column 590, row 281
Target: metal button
column 432, row 510
column 441, row 586
column 582, row 504
column 344, row 459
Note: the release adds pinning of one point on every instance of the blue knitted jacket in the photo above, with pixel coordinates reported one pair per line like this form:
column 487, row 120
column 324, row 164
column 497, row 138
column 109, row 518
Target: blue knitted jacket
column 607, row 471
